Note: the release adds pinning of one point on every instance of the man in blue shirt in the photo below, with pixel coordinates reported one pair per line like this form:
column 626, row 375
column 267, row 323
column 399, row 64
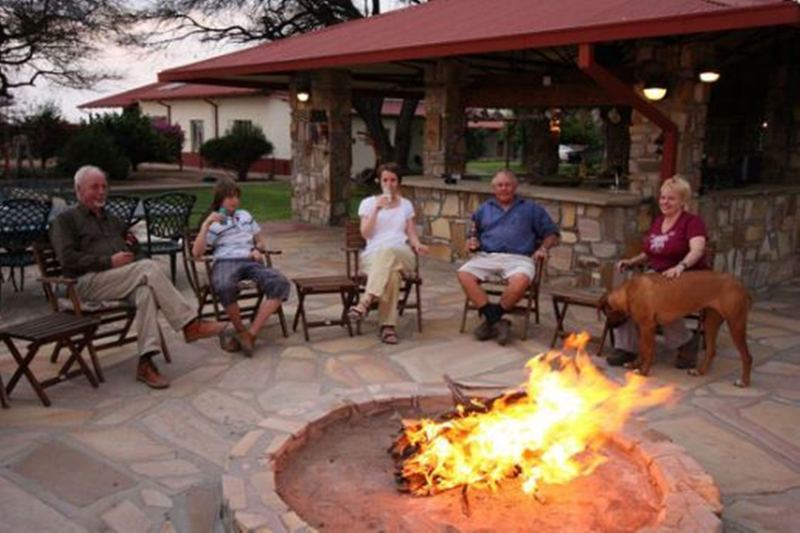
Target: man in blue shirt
column 507, row 234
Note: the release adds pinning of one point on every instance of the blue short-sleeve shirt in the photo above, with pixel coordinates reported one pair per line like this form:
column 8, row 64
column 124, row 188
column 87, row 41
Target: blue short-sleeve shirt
column 517, row 230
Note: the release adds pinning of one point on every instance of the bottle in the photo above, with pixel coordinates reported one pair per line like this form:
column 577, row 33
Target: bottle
column 473, row 234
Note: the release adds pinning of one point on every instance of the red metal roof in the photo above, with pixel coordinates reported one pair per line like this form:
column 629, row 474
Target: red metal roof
column 170, row 91
column 452, row 27
column 182, row 91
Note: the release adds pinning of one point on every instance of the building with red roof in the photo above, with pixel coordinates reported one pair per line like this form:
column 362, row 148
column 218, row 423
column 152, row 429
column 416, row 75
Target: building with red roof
column 205, row 111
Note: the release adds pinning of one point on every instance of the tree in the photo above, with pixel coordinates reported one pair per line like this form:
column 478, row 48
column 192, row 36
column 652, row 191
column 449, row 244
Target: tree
column 247, row 21
column 134, row 135
column 172, row 139
column 93, row 146
column 47, row 131
column 55, row 40
column 238, row 149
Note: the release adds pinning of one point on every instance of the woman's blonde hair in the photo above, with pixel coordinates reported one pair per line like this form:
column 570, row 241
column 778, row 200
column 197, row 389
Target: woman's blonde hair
column 680, row 186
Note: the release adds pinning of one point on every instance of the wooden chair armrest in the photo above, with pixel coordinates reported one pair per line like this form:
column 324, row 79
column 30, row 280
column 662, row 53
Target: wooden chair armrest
column 58, row 280
column 269, row 251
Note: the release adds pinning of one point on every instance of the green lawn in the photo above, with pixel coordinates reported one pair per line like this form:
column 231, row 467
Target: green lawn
column 488, row 167
column 265, row 201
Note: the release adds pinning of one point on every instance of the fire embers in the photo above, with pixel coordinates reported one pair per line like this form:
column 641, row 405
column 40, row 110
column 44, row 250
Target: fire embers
column 551, row 431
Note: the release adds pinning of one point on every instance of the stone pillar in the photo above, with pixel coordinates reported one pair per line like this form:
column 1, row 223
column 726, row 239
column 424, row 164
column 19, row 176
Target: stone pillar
column 686, row 104
column 321, row 148
column 445, row 123
column 540, row 150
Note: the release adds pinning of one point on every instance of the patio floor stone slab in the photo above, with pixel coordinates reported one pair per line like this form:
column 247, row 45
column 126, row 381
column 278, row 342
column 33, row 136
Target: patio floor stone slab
column 127, row 518
column 460, row 358
column 122, row 444
column 53, row 466
column 735, row 463
column 178, row 425
column 20, row 512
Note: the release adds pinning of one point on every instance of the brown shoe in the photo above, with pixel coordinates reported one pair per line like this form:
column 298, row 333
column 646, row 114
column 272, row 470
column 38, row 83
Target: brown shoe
column 147, row 372
column 201, row 329
column 247, row 341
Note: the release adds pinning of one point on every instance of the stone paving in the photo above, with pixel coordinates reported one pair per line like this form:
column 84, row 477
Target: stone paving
column 126, row 458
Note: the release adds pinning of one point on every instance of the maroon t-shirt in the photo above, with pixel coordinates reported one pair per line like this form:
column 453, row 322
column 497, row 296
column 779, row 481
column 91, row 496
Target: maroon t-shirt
column 665, row 250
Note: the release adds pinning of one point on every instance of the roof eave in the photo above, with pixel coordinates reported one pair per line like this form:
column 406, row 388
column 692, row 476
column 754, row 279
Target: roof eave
column 734, row 19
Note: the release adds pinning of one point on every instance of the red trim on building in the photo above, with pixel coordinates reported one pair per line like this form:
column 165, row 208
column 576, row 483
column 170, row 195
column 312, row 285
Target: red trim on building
column 175, row 91
column 273, row 165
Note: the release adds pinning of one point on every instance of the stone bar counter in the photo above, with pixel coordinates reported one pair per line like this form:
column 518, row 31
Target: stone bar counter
column 754, row 231
column 597, row 226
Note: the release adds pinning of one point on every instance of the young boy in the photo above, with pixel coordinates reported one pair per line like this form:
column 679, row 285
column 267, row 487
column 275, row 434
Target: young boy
column 234, row 237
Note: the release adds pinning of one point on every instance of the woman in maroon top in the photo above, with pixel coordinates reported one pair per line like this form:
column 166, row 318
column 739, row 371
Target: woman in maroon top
column 676, row 242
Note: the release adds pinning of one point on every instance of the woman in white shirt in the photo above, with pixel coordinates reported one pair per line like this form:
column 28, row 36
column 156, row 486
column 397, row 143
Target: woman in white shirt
column 387, row 224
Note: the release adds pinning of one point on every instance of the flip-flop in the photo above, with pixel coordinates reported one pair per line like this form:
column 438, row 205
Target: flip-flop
column 389, row 335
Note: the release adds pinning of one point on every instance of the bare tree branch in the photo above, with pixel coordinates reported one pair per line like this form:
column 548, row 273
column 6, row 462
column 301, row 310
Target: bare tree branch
column 56, row 40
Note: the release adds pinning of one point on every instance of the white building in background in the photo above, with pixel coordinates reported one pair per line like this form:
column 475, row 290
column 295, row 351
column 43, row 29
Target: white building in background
column 207, row 111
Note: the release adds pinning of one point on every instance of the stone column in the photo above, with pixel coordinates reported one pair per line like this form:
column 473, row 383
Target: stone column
column 321, row 148
column 540, row 150
column 445, row 123
column 686, row 105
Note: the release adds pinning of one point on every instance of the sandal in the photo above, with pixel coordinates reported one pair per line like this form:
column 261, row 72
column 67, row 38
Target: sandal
column 389, row 335
column 357, row 312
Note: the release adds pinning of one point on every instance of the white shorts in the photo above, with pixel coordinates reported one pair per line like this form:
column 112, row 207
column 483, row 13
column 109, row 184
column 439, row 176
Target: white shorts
column 487, row 265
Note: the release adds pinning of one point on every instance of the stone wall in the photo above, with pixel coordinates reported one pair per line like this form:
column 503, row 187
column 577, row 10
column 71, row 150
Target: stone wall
column 755, row 233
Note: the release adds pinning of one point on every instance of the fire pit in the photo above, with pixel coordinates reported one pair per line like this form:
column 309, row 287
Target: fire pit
column 324, row 465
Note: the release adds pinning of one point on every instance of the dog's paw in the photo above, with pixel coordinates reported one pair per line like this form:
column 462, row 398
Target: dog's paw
column 640, row 372
column 693, row 372
column 741, row 384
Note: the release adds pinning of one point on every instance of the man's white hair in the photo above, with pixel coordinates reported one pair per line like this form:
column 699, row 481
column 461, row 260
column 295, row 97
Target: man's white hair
column 505, row 172
column 85, row 171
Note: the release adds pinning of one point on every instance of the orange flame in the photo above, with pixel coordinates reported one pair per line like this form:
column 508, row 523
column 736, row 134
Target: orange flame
column 552, row 434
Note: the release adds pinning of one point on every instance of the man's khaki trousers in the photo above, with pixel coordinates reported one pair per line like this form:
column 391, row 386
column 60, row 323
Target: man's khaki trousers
column 145, row 285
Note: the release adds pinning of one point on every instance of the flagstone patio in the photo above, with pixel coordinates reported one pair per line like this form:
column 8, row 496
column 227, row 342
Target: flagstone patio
column 127, row 458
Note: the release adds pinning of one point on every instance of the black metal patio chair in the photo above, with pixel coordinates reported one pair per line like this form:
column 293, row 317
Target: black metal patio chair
column 23, row 222
column 167, row 219
column 124, row 208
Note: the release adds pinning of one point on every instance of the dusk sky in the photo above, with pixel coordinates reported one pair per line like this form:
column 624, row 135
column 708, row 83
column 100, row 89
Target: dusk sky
column 135, row 67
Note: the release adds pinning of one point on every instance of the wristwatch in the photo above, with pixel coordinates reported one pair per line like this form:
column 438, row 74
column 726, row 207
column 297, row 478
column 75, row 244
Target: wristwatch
column 684, row 265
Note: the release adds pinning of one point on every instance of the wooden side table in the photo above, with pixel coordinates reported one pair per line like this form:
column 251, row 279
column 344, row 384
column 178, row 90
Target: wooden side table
column 345, row 287
column 562, row 299
column 63, row 328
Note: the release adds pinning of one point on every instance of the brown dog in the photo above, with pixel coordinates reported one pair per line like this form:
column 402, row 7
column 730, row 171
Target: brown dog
column 651, row 300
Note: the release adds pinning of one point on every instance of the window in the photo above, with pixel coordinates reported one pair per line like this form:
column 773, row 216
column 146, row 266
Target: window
column 240, row 123
column 196, row 131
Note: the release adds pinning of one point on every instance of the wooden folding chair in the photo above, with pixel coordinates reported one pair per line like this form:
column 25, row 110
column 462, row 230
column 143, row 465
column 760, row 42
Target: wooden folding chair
column 529, row 304
column 115, row 316
column 200, row 279
column 411, row 281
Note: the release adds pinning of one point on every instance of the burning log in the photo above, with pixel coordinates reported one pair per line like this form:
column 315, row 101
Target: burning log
column 551, row 430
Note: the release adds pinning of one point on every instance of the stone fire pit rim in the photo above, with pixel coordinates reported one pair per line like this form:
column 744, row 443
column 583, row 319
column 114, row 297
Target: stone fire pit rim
column 250, row 501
